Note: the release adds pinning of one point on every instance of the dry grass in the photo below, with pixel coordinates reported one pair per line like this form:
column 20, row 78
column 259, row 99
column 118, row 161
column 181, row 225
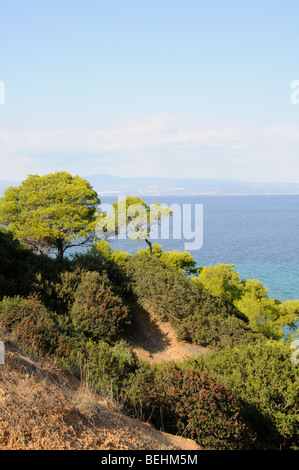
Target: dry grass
column 42, row 407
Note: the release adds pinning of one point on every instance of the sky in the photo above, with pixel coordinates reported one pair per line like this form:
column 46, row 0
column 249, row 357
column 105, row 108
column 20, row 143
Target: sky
column 176, row 88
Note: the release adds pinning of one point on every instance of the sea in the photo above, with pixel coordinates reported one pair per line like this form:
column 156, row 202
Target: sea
column 259, row 235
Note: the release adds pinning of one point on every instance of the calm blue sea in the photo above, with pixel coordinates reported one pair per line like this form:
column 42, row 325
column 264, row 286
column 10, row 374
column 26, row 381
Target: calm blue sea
column 259, row 235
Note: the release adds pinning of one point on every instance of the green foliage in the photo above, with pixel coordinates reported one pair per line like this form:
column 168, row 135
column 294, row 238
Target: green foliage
column 290, row 316
column 57, row 292
column 221, row 281
column 266, row 315
column 180, row 260
column 97, row 312
column 109, row 370
column 211, row 324
column 14, row 265
column 35, row 328
column 51, row 212
column 177, row 259
column 136, row 216
column 264, row 378
column 100, row 258
column 197, row 315
column 103, row 249
column 132, row 217
column 19, row 266
column 193, row 404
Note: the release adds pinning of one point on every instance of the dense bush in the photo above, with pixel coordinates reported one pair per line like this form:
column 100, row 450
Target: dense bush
column 193, row 404
column 24, row 273
column 266, row 315
column 109, row 369
column 15, row 263
column 181, row 260
column 206, row 326
column 263, row 376
column 35, row 328
column 101, row 258
column 197, row 315
column 97, row 312
column 58, row 292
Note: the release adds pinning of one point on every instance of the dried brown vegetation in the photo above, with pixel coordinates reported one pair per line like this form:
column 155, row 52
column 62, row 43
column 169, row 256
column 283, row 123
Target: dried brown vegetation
column 43, row 407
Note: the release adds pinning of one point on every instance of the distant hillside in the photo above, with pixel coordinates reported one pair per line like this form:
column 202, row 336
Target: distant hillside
column 107, row 184
column 155, row 186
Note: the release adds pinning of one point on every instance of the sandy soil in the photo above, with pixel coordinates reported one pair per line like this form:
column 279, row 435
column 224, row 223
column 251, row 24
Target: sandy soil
column 156, row 341
column 42, row 407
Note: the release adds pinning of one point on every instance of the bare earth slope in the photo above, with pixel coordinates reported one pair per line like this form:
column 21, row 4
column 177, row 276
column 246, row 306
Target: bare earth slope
column 156, row 341
column 44, row 407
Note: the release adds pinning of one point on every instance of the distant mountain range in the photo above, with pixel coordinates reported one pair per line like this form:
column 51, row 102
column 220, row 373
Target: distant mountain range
column 155, row 186
column 147, row 186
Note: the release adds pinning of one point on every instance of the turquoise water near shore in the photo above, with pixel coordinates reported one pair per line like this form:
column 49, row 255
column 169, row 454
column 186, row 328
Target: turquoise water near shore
column 259, row 235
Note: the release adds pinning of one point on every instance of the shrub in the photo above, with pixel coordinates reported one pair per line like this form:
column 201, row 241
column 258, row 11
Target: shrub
column 197, row 315
column 264, row 378
column 266, row 315
column 206, row 326
column 97, row 312
column 109, row 370
column 15, row 262
column 35, row 328
column 100, row 258
column 58, row 292
column 193, row 404
column 181, row 260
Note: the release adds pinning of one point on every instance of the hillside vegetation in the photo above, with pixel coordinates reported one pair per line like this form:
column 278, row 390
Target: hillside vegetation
column 43, row 407
column 234, row 386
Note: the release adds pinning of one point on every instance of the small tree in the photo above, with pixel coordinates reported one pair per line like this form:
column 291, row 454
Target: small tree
column 181, row 260
column 268, row 316
column 221, row 280
column 133, row 217
column 51, row 213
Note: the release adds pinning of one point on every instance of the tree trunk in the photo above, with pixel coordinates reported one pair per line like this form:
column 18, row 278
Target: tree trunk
column 150, row 246
column 60, row 249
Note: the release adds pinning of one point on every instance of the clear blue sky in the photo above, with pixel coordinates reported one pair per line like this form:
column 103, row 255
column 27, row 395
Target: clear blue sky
column 185, row 88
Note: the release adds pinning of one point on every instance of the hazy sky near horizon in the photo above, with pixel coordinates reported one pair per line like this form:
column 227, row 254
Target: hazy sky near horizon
column 178, row 88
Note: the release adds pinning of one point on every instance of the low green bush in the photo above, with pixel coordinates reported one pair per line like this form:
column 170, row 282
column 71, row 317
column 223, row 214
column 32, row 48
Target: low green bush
column 15, row 265
column 58, row 292
column 264, row 378
column 192, row 404
column 197, row 315
column 34, row 327
column 97, row 312
column 109, row 370
column 102, row 259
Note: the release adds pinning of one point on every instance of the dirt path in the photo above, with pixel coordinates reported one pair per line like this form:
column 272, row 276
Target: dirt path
column 156, row 341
